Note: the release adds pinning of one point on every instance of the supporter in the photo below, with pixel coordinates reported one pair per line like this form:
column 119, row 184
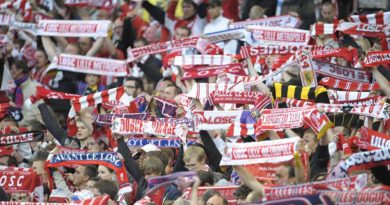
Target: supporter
column 91, row 85
column 105, row 173
column 327, row 12
column 171, row 92
column 216, row 199
column 104, row 186
column 217, row 21
column 285, row 175
column 82, row 175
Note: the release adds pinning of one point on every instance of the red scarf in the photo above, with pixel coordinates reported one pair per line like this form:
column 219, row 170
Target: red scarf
column 348, row 86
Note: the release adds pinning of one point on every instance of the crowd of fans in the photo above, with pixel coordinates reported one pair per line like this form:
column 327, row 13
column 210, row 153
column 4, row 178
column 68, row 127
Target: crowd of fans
column 155, row 82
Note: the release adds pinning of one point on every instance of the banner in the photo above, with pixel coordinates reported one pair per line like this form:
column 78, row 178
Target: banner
column 275, row 35
column 274, row 151
column 89, row 65
column 195, row 42
column 207, row 71
column 21, row 180
column 284, row 21
column 73, row 28
column 17, row 138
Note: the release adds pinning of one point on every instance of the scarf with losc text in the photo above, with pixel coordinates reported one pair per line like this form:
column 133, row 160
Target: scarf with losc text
column 108, row 159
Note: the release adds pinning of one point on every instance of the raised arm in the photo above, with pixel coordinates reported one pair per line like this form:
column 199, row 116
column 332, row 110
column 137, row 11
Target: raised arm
column 213, row 155
column 51, row 124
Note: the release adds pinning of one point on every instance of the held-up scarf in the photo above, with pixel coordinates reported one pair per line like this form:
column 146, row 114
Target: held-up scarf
column 182, row 178
column 207, row 71
column 202, row 60
column 273, row 151
column 348, row 86
column 22, row 26
column 373, row 197
column 376, row 110
column 375, row 58
column 5, row 18
column 28, row 53
column 377, row 18
column 226, row 35
column 275, row 35
column 94, row 99
column 305, row 63
column 240, row 98
column 247, row 80
column 22, row 180
column 107, row 119
column 159, row 142
column 285, row 21
column 18, row 93
column 211, row 120
column 243, row 126
column 339, row 96
column 194, row 42
column 372, row 140
column 4, row 109
column 17, row 138
column 282, row 192
column 341, row 72
column 108, row 159
column 287, row 118
column 73, row 28
column 189, row 122
column 203, row 90
column 133, row 126
column 89, row 65
column 360, row 161
column 322, row 29
column 302, row 93
column 165, row 108
column 369, row 30
column 43, row 93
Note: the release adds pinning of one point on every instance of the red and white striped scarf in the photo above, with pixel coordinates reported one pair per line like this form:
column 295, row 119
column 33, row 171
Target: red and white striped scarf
column 376, row 110
column 369, row 30
column 203, row 90
column 337, row 95
column 196, row 42
column 284, row 21
column 305, row 63
column 226, row 35
column 298, row 103
column 4, row 109
column 73, row 28
column 22, row 6
column 375, row 58
column 207, row 71
column 247, row 80
column 114, row 94
column 348, row 86
column 89, row 65
column 377, row 18
column 43, row 93
column 202, row 60
column 322, row 29
column 273, row 151
column 275, row 35
column 240, row 129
